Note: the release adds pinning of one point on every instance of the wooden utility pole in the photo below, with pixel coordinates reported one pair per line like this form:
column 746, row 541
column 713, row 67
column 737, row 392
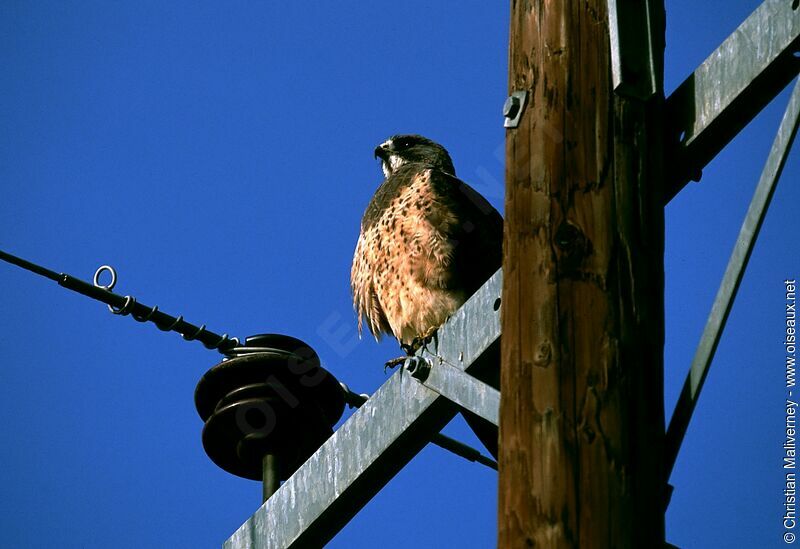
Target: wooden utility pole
column 581, row 418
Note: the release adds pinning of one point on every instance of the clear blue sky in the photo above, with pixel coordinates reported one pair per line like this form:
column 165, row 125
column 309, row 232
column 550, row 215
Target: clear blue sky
column 219, row 155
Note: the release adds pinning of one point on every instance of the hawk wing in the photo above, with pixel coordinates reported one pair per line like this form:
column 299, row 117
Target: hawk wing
column 363, row 285
column 428, row 241
column 477, row 238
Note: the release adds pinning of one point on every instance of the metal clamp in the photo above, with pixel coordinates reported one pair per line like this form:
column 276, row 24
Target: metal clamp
column 418, row 366
column 514, row 107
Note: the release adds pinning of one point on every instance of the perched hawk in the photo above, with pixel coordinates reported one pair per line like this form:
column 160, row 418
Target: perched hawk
column 428, row 241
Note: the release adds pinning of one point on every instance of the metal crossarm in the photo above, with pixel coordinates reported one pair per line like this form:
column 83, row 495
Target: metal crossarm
column 731, row 280
column 377, row 441
column 729, row 88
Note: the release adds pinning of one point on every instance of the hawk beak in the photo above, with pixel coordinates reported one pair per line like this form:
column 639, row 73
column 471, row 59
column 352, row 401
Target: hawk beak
column 384, row 150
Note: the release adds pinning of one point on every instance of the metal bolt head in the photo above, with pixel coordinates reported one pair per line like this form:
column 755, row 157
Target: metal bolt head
column 511, row 107
column 418, row 367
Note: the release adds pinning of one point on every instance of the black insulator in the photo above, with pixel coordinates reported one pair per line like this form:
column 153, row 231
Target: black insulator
column 271, row 397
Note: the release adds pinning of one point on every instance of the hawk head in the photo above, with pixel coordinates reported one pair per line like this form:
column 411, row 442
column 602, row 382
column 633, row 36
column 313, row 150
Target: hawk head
column 406, row 149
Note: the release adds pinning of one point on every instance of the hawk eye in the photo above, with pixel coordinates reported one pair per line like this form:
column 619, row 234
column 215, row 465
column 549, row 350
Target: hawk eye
column 404, row 143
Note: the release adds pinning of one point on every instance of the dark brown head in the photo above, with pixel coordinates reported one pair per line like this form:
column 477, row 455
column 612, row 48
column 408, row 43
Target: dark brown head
column 407, row 149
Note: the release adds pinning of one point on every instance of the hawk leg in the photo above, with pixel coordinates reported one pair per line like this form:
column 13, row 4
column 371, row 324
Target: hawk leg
column 419, row 342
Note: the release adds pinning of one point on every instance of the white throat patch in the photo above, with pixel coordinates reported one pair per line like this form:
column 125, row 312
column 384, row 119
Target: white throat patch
column 392, row 165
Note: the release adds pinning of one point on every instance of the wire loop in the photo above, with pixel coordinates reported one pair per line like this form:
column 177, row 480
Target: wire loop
column 195, row 335
column 146, row 317
column 101, row 270
column 129, row 301
column 126, row 307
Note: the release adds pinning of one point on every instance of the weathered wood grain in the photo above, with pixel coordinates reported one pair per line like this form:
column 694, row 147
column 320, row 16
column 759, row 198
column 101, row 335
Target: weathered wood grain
column 581, row 420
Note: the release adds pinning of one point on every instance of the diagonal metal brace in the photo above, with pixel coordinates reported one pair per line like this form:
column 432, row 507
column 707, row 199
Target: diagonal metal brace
column 731, row 280
column 457, row 386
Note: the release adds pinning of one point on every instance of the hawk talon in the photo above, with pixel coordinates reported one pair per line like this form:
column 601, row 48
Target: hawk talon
column 393, row 363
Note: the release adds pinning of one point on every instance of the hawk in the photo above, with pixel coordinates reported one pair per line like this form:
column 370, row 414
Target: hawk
column 428, row 241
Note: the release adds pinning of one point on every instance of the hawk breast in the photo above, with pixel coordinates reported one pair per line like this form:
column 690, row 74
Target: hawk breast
column 427, row 242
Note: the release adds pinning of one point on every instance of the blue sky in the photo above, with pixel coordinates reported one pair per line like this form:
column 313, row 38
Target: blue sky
column 219, row 156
